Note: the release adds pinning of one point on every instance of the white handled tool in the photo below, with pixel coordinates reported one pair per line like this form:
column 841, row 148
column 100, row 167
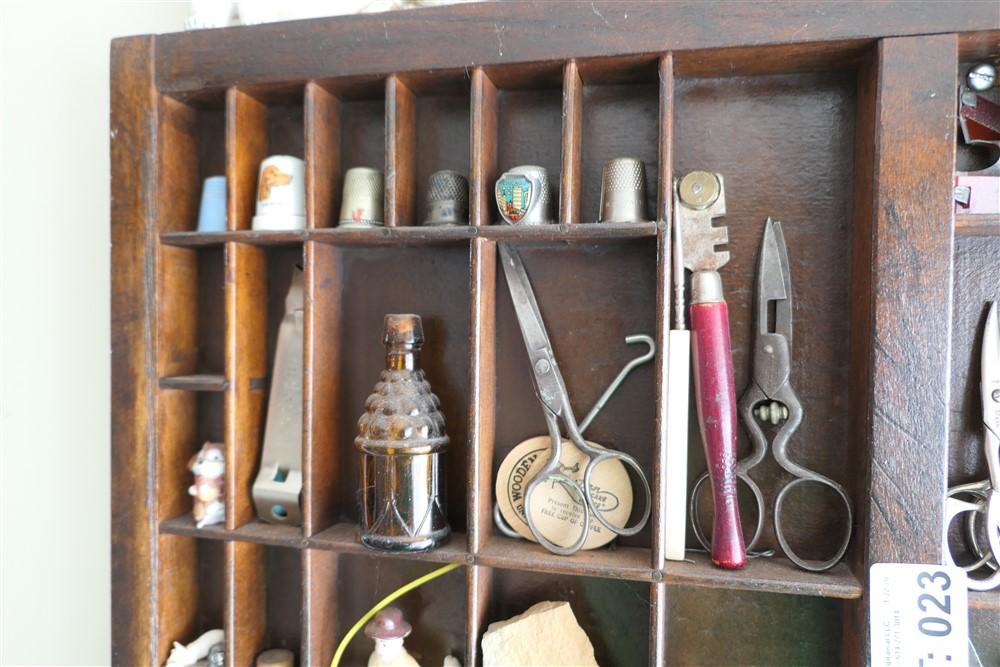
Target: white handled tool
column 678, row 387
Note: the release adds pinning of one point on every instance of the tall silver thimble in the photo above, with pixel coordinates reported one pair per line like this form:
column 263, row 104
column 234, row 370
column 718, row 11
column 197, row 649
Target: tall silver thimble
column 523, row 196
column 362, row 201
column 623, row 191
column 447, row 198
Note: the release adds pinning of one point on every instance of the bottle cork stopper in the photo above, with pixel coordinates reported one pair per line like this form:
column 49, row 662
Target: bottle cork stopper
column 403, row 330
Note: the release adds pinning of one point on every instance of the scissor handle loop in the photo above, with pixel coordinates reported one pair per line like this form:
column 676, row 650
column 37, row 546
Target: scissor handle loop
column 990, row 508
column 596, row 458
column 758, row 496
column 529, row 492
column 502, row 525
column 957, row 503
column 810, row 564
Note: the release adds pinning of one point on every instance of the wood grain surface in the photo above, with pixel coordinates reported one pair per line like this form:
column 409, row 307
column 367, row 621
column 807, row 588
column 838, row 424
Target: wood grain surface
column 912, row 255
column 490, row 34
column 134, row 547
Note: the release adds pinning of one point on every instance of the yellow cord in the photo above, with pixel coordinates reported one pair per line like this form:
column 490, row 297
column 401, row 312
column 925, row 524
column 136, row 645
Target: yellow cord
column 399, row 592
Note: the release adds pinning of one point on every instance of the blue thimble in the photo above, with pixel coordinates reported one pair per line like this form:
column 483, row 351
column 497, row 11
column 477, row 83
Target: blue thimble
column 212, row 215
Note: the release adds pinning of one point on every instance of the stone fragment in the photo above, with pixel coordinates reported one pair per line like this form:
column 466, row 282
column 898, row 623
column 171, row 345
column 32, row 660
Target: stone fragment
column 546, row 635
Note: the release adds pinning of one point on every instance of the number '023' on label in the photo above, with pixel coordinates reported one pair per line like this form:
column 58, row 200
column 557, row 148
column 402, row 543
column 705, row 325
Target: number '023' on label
column 919, row 616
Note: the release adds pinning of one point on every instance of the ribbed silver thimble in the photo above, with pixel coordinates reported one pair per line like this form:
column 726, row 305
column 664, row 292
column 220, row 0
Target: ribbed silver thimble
column 362, row 201
column 447, row 198
column 523, row 196
column 623, row 191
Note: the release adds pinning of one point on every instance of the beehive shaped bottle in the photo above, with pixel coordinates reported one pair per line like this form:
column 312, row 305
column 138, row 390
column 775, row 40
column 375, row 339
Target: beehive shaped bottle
column 402, row 442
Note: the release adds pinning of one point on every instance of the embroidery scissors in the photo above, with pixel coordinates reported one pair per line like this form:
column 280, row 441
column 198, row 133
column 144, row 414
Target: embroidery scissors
column 552, row 394
column 982, row 499
column 770, row 398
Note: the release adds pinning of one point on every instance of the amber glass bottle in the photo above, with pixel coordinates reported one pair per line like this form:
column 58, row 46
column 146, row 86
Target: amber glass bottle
column 402, row 441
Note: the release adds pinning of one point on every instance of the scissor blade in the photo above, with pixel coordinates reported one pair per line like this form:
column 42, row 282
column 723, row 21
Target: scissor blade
column 547, row 380
column 774, row 283
column 991, row 373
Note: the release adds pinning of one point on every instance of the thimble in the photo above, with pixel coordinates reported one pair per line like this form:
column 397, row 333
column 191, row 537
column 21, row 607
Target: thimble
column 281, row 194
column 447, row 199
column 212, row 214
column 362, row 201
column 623, row 191
column 523, row 196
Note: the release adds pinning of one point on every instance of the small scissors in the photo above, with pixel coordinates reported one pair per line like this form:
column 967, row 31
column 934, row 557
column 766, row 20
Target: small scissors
column 770, row 398
column 983, row 498
column 551, row 391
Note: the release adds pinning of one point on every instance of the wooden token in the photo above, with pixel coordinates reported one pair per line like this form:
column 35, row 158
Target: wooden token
column 557, row 512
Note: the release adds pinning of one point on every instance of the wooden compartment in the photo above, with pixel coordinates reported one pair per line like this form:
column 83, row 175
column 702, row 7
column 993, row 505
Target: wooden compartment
column 977, row 283
column 194, row 334
column 195, row 573
column 283, row 608
column 525, row 105
column 588, row 335
column 354, row 287
column 260, row 122
column 614, row 614
column 814, row 126
column 194, row 135
column 784, row 631
column 442, row 132
column 795, row 134
column 620, row 118
column 345, row 127
column 437, row 610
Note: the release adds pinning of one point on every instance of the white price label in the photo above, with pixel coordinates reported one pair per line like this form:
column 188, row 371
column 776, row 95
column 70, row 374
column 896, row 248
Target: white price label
column 919, row 616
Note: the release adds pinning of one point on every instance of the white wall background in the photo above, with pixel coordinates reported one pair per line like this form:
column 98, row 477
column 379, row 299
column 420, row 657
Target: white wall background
column 54, row 323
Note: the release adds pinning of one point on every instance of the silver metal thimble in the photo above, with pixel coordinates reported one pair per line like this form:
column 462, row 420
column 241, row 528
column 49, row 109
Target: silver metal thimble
column 362, row 201
column 623, row 191
column 447, row 198
column 523, row 196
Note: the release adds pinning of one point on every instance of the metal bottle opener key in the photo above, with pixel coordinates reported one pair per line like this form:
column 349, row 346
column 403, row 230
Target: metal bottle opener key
column 278, row 488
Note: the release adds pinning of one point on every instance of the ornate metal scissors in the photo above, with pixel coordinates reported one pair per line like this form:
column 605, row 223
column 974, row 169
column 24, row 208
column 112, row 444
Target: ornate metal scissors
column 982, row 499
column 551, row 391
column 770, row 398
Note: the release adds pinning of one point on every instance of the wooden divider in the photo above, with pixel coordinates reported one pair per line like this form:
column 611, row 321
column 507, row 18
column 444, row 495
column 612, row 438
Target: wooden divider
column 482, row 383
column 478, row 587
column 320, row 458
column 245, row 611
column 907, row 211
column 324, row 168
column 319, row 607
column 572, row 146
column 400, row 153
column 658, row 624
column 664, row 211
column 483, row 168
column 246, row 146
column 246, row 373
